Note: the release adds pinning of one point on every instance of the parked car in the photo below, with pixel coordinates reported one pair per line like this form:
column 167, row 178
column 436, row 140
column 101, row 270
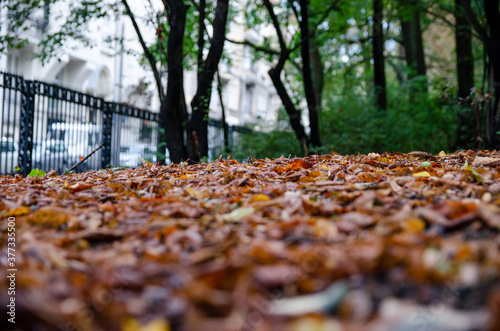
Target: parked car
column 130, row 156
column 52, row 155
column 79, row 139
column 9, row 155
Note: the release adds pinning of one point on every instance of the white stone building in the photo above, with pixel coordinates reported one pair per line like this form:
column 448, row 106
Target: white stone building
column 109, row 72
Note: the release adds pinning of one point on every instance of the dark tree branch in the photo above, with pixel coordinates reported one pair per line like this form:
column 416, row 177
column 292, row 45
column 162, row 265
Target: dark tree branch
column 275, row 74
column 148, row 54
column 254, row 46
column 201, row 32
column 276, row 24
column 439, row 16
column 478, row 27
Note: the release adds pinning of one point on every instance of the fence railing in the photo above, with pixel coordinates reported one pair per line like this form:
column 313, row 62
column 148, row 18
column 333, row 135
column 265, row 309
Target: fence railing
column 47, row 127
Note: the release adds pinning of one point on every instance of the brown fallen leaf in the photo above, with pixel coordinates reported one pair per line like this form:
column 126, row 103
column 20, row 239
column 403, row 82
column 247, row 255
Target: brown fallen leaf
column 422, row 155
column 80, row 186
column 480, row 161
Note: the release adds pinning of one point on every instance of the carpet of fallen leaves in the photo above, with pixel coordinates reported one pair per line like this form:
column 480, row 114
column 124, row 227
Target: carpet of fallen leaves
column 392, row 241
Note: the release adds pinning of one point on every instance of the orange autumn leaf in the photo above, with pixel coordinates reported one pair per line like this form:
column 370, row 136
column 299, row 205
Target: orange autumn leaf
column 80, row 186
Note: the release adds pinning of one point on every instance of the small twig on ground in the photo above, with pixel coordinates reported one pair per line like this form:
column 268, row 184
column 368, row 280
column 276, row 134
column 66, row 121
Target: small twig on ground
column 86, row 157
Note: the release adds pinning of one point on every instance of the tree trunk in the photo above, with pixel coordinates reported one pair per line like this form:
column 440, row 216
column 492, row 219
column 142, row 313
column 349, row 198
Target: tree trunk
column 307, row 74
column 378, row 55
column 412, row 40
column 201, row 33
column 293, row 113
column 317, row 72
column 275, row 74
column 197, row 135
column 173, row 107
column 466, row 128
column 465, row 59
column 492, row 46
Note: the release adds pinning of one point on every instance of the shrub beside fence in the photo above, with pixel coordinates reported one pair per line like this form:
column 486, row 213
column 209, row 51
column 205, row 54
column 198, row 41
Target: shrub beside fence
column 46, row 126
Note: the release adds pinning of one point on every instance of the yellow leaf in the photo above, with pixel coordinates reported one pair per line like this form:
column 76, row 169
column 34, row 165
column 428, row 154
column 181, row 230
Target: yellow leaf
column 49, row 217
column 414, row 225
column 442, row 153
column 19, row 211
column 315, row 173
column 260, row 197
column 196, row 194
column 422, row 174
column 130, row 324
column 476, row 174
column 156, row 325
column 238, row 214
column 159, row 324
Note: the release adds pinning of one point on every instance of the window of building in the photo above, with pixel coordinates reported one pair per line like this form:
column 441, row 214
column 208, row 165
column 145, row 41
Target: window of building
column 249, row 99
column 261, row 106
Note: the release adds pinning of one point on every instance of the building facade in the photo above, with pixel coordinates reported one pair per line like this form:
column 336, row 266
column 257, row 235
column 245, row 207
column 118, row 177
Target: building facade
column 111, row 70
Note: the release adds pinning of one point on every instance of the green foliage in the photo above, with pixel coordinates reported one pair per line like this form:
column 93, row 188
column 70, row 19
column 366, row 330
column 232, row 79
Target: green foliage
column 352, row 124
column 268, row 143
column 36, row 173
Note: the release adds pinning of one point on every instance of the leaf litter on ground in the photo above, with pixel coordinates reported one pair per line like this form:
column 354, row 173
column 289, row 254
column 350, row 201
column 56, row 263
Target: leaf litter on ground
column 326, row 242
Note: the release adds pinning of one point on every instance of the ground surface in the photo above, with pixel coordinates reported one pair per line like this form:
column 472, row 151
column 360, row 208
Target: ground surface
column 392, row 241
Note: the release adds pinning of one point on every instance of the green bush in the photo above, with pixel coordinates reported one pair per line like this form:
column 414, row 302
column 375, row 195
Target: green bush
column 354, row 125
column 267, row 144
column 351, row 124
column 264, row 143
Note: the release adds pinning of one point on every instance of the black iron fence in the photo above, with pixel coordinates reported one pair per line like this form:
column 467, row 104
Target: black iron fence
column 45, row 126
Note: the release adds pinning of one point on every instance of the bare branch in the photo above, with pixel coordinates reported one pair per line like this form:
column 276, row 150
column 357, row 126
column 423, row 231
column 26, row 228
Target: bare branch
column 439, row 16
column 148, row 54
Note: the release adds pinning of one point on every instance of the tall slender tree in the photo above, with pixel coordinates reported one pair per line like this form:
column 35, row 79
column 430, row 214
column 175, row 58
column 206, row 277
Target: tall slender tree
column 197, row 129
column 173, row 111
column 465, row 59
column 275, row 74
column 378, row 54
column 490, row 37
column 307, row 74
column 412, row 38
column 465, row 74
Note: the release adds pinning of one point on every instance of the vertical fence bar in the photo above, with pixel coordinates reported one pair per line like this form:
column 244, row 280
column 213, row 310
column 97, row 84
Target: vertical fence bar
column 26, row 127
column 53, row 116
column 107, row 129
